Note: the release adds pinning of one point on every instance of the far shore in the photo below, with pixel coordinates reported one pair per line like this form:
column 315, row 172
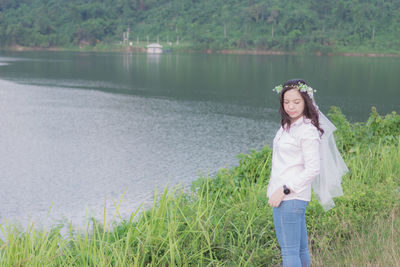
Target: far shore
column 141, row 49
column 266, row 52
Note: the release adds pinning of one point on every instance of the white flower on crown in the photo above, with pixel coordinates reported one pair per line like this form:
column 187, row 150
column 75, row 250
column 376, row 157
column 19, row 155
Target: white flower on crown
column 278, row 89
column 301, row 87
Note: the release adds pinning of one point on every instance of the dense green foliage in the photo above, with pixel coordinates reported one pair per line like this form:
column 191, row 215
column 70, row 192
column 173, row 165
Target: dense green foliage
column 225, row 220
column 307, row 25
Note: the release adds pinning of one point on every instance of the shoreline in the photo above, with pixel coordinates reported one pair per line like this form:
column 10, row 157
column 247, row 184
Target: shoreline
column 136, row 49
column 270, row 52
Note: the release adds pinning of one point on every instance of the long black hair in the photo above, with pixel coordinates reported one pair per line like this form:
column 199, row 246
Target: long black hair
column 310, row 111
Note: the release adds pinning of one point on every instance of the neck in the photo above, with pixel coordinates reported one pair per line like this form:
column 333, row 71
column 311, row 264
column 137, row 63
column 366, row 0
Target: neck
column 293, row 120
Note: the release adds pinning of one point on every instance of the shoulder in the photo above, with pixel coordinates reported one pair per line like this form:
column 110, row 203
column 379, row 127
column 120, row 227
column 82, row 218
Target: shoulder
column 307, row 130
column 278, row 134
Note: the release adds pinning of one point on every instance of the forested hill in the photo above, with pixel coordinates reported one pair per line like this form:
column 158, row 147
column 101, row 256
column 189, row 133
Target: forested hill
column 309, row 25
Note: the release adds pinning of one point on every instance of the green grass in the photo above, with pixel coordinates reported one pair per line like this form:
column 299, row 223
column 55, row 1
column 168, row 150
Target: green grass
column 225, row 220
column 377, row 244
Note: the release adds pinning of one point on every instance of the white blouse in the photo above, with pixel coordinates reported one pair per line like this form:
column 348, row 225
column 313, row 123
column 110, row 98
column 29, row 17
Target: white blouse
column 295, row 159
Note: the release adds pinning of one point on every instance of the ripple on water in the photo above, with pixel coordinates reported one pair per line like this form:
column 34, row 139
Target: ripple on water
column 64, row 152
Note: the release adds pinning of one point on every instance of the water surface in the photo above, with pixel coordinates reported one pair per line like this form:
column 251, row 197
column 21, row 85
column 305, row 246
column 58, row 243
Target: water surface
column 79, row 129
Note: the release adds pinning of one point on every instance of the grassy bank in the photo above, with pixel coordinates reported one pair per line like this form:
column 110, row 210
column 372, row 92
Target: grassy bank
column 108, row 47
column 185, row 47
column 225, row 220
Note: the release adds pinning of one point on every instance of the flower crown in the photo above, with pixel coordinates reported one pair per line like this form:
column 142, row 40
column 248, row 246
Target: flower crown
column 300, row 86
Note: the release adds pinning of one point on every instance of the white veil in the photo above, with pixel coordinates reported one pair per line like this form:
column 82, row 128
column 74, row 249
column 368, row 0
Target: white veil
column 327, row 184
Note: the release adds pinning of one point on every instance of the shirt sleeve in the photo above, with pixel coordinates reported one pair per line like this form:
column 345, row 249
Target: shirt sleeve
column 310, row 151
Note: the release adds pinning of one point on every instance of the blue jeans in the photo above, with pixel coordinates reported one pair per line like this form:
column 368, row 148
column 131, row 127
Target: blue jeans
column 291, row 232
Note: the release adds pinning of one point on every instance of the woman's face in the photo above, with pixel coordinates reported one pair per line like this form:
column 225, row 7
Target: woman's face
column 293, row 104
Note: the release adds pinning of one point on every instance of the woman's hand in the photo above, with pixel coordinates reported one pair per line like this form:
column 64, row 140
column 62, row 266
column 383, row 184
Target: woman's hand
column 276, row 198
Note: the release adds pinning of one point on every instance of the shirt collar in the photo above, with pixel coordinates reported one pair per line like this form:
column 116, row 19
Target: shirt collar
column 299, row 121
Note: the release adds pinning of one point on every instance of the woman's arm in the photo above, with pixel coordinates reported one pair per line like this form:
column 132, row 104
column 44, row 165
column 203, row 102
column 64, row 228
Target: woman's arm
column 310, row 151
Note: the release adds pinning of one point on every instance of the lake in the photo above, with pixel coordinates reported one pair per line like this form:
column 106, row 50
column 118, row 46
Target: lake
column 79, row 130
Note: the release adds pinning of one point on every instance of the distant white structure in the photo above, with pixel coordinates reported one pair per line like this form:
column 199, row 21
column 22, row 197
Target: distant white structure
column 154, row 48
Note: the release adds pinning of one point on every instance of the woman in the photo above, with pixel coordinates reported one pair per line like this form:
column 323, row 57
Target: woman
column 301, row 149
